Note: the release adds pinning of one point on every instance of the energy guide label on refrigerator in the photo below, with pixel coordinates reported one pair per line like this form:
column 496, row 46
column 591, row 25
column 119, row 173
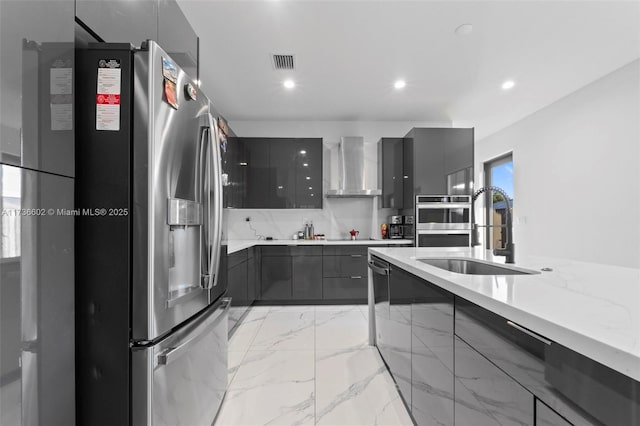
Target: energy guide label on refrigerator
column 108, row 95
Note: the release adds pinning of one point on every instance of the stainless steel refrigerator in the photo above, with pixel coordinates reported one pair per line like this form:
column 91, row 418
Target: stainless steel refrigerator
column 151, row 308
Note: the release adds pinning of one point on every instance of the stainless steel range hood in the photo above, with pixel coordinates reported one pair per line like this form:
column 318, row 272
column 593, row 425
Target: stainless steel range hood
column 351, row 170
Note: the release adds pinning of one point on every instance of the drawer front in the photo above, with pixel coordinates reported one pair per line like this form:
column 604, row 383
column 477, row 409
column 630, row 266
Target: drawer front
column 344, row 266
column 344, row 288
column 305, row 250
column 344, row 250
column 275, row 251
column 543, row 367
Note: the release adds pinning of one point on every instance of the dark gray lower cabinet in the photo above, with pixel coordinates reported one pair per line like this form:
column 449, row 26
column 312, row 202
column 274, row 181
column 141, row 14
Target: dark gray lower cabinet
column 307, row 277
column 432, row 398
column 276, row 278
column 545, row 416
column 345, row 288
column 237, row 284
column 485, row 395
column 344, row 272
column 401, row 289
column 252, row 279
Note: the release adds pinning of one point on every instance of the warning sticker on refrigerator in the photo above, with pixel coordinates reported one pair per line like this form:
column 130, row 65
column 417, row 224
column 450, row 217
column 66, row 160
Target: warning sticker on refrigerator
column 108, row 96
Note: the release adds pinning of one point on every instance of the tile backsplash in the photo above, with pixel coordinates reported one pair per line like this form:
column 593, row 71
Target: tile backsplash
column 335, row 220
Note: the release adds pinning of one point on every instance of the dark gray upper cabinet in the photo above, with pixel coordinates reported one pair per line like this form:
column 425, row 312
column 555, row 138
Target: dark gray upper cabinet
column 36, row 90
column 234, row 165
column 282, row 173
column 433, row 158
column 177, row 37
column 390, row 172
column 121, row 21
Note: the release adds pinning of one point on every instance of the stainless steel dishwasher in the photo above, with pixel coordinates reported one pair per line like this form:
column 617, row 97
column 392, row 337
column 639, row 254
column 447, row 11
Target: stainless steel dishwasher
column 379, row 272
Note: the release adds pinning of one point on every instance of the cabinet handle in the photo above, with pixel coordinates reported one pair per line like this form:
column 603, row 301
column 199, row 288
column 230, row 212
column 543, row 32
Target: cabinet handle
column 356, row 255
column 357, row 277
column 530, row 333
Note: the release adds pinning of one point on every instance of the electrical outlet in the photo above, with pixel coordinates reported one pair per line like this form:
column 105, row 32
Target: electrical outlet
column 247, row 219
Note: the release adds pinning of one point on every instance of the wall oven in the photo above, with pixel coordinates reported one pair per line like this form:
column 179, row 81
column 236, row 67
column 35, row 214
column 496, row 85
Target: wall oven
column 443, row 221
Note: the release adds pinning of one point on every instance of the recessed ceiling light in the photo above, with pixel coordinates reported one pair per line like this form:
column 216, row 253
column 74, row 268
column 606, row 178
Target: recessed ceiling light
column 464, row 29
column 308, row 177
column 289, row 84
column 508, row 85
column 305, row 164
column 311, row 187
column 399, row 84
column 303, row 152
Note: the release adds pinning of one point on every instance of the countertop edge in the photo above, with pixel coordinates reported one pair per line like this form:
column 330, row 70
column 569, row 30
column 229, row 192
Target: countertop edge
column 234, row 246
column 622, row 361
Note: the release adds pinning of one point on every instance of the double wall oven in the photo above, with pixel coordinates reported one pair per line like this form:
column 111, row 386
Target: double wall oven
column 443, row 221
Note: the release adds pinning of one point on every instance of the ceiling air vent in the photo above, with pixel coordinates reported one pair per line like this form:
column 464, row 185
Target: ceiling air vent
column 283, row 62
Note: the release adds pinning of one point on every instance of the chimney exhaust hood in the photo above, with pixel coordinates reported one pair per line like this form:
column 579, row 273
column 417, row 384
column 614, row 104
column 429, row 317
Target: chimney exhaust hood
column 351, row 170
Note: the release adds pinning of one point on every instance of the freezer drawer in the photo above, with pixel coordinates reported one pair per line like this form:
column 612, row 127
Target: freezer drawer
column 182, row 379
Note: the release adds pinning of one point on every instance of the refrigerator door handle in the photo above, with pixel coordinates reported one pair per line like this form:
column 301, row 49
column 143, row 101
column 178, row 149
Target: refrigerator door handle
column 202, row 190
column 216, row 214
column 170, row 355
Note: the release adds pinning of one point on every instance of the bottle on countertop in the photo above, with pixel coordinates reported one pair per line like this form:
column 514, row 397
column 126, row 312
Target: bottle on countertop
column 312, row 232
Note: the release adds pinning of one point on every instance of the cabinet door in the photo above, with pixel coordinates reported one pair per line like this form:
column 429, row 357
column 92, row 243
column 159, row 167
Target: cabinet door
column 235, row 165
column 177, row 38
column 282, row 157
column 408, row 192
column 237, row 284
column 432, row 377
column 391, row 172
column 458, row 149
column 353, row 265
column 346, row 288
column 545, row 416
column 251, row 276
column 259, row 189
column 428, row 157
column 400, row 295
column 485, row 395
column 307, row 277
column 307, row 154
column 123, row 21
column 276, row 278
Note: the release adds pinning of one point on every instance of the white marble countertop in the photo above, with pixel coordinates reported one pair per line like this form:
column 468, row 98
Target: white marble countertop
column 237, row 245
column 591, row 308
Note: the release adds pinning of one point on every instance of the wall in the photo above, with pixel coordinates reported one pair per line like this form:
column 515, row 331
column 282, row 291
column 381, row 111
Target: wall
column 338, row 215
column 576, row 179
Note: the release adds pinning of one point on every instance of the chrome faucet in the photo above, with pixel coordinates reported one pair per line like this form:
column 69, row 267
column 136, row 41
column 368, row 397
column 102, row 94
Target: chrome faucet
column 509, row 248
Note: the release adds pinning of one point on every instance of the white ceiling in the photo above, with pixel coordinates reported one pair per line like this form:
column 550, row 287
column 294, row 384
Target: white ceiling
column 349, row 53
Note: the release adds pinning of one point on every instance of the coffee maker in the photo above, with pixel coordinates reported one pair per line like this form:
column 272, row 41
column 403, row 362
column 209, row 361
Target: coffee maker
column 395, row 228
column 408, row 227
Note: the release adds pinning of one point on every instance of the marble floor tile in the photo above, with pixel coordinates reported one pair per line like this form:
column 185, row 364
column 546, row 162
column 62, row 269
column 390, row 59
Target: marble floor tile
column 353, row 387
column 286, row 331
column 263, row 368
column 282, row 404
column 336, row 308
column 293, row 308
column 341, row 329
column 246, row 331
column 235, row 359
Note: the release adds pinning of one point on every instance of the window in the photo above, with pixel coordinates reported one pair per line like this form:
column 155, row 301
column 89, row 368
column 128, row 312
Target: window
column 498, row 172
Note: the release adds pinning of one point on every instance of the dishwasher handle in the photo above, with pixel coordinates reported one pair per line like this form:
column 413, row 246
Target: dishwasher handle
column 378, row 269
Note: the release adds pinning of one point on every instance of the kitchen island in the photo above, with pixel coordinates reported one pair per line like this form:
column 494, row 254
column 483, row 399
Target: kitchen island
column 565, row 340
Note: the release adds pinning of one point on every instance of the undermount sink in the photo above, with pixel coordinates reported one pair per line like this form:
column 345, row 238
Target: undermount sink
column 472, row 267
